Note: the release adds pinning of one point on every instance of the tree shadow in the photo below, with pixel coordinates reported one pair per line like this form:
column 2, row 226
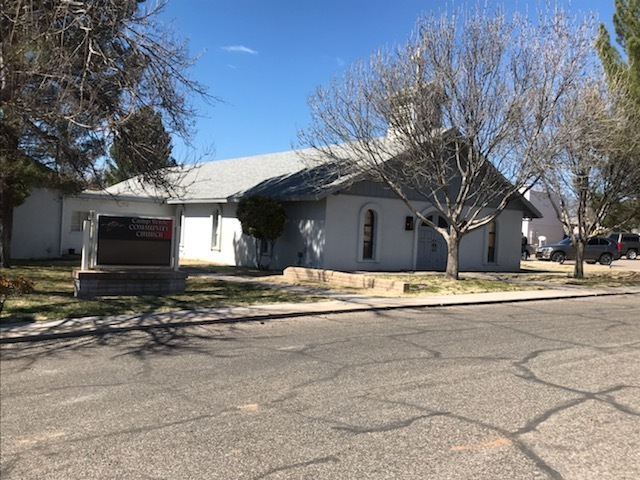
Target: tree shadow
column 138, row 337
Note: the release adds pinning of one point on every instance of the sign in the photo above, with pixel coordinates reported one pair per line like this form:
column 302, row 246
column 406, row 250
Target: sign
column 134, row 241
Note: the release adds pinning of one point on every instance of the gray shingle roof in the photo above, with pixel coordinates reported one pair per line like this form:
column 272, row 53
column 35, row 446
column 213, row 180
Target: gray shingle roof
column 306, row 184
column 285, row 176
column 292, row 175
column 217, row 180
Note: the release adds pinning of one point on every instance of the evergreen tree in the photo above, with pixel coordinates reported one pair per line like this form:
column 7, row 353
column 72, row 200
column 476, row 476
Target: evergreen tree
column 622, row 68
column 71, row 73
column 626, row 21
column 141, row 145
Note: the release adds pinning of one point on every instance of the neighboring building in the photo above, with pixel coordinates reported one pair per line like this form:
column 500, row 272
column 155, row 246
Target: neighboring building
column 333, row 222
column 548, row 228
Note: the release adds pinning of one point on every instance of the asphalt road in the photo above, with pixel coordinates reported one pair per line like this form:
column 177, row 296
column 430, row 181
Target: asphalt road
column 515, row 391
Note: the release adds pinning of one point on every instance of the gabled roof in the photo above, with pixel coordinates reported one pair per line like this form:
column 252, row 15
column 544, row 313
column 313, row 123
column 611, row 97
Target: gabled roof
column 284, row 176
column 307, row 184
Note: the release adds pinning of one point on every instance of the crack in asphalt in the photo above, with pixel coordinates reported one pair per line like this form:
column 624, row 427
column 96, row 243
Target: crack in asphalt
column 599, row 396
column 520, row 368
column 525, row 372
column 390, row 426
column 293, row 466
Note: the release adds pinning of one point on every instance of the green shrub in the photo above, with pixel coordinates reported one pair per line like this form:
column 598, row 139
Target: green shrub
column 263, row 218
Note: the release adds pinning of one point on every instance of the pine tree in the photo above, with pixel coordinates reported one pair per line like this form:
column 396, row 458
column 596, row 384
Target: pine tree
column 623, row 63
column 141, row 145
column 71, row 73
column 622, row 67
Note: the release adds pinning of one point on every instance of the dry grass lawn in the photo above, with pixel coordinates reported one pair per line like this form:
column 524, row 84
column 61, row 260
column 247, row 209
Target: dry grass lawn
column 53, row 297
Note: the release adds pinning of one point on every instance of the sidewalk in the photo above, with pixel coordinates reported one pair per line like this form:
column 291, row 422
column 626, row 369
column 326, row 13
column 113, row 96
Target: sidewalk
column 336, row 303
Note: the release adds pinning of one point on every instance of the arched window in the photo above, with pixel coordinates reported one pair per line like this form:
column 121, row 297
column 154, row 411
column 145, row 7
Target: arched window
column 368, row 236
column 440, row 221
column 491, row 242
column 369, row 233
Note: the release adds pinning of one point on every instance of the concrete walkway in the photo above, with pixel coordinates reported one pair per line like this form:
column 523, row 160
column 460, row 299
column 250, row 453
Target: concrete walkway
column 335, row 303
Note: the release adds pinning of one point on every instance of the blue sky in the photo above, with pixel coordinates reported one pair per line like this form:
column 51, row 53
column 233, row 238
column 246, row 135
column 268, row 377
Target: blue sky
column 262, row 58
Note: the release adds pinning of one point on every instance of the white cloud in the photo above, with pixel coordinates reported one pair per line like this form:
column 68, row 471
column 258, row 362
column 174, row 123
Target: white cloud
column 240, row 49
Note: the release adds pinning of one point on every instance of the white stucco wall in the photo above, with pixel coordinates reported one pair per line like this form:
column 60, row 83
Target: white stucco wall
column 103, row 205
column 303, row 240
column 396, row 247
column 473, row 246
column 197, row 233
column 303, row 234
column 36, row 225
column 327, row 234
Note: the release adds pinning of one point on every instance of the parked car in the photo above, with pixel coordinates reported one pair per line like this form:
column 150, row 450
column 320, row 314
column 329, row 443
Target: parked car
column 597, row 249
column 628, row 243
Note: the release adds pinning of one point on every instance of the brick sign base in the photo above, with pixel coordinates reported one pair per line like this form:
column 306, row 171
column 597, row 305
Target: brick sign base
column 95, row 283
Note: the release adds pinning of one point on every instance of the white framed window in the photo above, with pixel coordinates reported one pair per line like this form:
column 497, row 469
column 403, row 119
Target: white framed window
column 216, row 218
column 77, row 220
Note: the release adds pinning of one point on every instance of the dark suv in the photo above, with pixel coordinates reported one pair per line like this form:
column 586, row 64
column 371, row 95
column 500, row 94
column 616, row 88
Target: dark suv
column 628, row 243
column 597, row 249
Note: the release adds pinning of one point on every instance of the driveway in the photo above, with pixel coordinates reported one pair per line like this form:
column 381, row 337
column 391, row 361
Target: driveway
column 622, row 264
column 625, row 264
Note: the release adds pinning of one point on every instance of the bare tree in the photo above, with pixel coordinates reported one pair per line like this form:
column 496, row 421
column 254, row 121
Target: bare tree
column 596, row 161
column 460, row 116
column 71, row 73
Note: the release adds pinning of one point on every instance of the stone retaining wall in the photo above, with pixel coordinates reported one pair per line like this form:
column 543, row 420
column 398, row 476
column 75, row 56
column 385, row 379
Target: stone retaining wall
column 342, row 279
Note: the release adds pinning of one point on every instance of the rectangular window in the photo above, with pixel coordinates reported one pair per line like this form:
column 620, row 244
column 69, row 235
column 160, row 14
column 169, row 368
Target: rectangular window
column 491, row 243
column 77, row 219
column 215, row 229
column 265, row 248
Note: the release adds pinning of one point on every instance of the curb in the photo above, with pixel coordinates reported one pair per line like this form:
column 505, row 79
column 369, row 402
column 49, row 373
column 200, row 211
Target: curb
column 348, row 308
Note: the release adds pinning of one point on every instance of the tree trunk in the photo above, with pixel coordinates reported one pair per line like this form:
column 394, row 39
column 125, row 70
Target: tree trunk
column 272, row 249
column 10, row 184
column 578, row 271
column 453, row 246
column 582, row 183
column 6, row 228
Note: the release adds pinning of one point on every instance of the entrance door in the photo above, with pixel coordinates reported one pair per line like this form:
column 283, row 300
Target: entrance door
column 432, row 248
